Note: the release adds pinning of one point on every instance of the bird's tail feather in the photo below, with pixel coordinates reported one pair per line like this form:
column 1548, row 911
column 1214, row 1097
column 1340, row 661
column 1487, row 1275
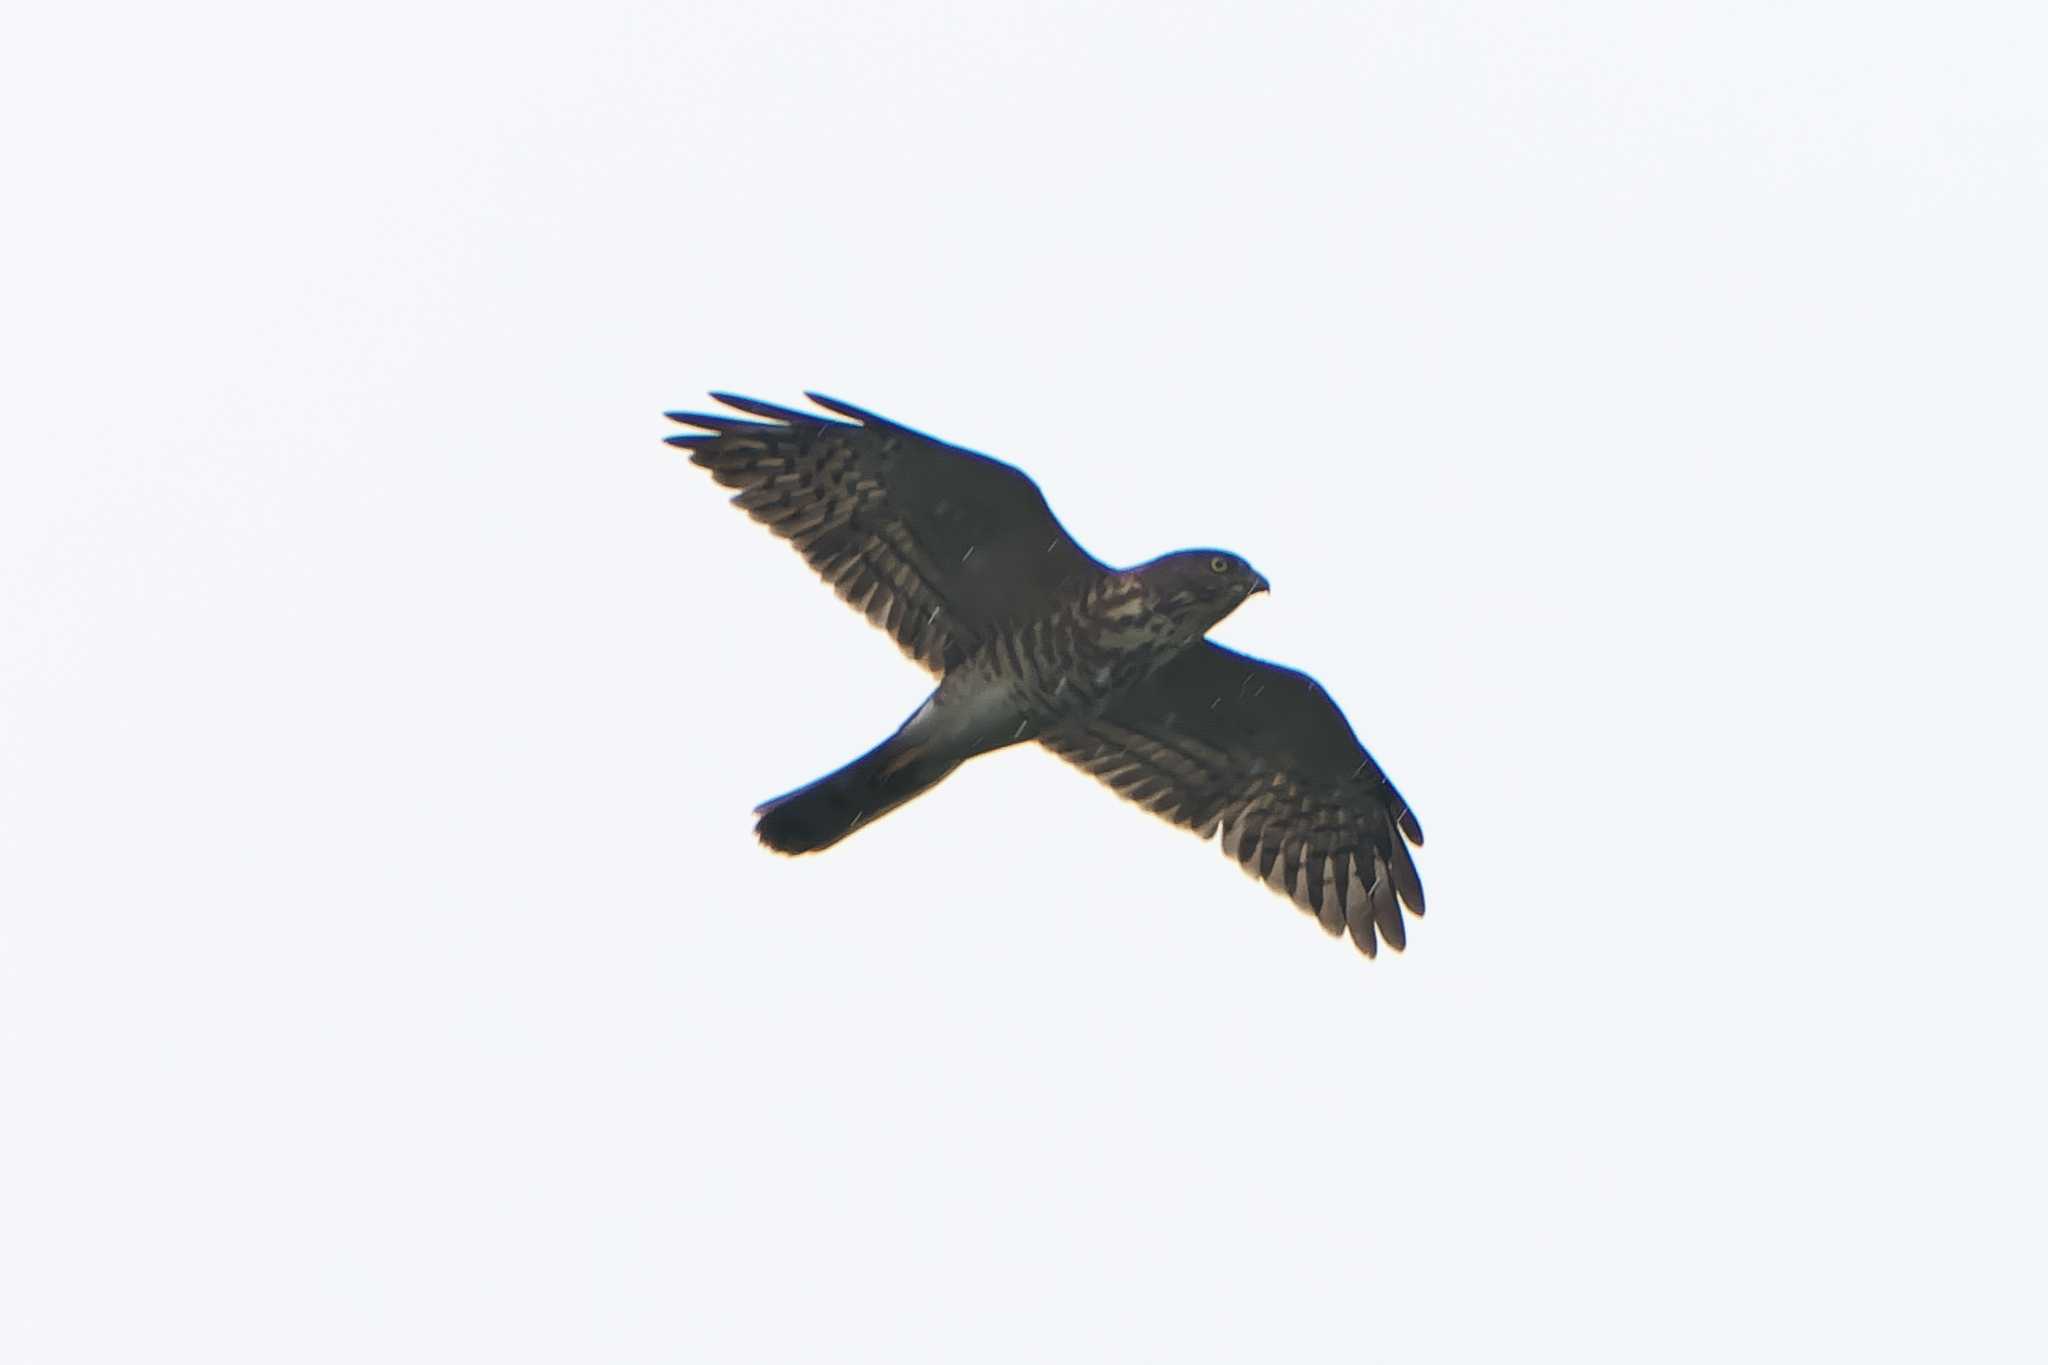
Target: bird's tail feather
column 821, row 814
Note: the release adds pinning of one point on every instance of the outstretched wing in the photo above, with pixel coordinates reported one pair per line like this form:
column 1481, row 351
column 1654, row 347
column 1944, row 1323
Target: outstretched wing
column 939, row 546
column 1220, row 741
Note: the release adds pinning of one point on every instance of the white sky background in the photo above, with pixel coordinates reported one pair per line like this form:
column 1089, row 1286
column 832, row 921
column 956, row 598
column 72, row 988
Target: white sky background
column 1638, row 410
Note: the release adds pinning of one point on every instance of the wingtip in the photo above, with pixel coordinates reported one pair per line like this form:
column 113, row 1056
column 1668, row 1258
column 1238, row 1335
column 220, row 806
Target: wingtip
column 845, row 409
column 774, row 412
column 708, row 421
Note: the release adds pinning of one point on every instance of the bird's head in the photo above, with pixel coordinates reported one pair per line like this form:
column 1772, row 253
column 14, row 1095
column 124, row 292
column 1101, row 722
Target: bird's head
column 1200, row 587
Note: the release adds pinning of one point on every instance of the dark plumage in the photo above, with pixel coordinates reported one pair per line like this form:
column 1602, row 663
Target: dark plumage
column 959, row 558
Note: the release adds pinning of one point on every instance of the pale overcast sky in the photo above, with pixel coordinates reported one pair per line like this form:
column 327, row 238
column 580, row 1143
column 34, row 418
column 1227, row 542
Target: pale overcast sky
column 1638, row 410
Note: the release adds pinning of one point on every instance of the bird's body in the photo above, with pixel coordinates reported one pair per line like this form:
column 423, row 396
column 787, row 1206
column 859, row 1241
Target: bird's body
column 1065, row 663
column 958, row 557
column 1090, row 644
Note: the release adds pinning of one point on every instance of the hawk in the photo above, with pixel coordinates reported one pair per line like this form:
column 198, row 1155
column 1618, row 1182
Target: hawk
column 958, row 557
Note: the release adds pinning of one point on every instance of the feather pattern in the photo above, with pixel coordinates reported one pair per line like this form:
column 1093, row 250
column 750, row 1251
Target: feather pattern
column 938, row 546
column 1257, row 754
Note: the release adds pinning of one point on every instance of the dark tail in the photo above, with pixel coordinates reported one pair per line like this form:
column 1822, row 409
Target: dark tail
column 820, row 815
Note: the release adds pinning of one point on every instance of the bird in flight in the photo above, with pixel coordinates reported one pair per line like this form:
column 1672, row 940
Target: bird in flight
column 958, row 557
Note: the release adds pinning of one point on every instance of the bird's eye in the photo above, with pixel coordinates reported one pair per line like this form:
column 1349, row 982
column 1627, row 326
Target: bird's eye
column 1219, row 565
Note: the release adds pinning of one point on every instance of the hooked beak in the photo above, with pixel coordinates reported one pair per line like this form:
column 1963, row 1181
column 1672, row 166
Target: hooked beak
column 1259, row 583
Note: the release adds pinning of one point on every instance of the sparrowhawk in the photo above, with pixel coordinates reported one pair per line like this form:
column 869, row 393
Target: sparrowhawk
column 958, row 557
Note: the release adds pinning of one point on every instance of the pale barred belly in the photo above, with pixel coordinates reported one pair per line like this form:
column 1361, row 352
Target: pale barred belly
column 1027, row 682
